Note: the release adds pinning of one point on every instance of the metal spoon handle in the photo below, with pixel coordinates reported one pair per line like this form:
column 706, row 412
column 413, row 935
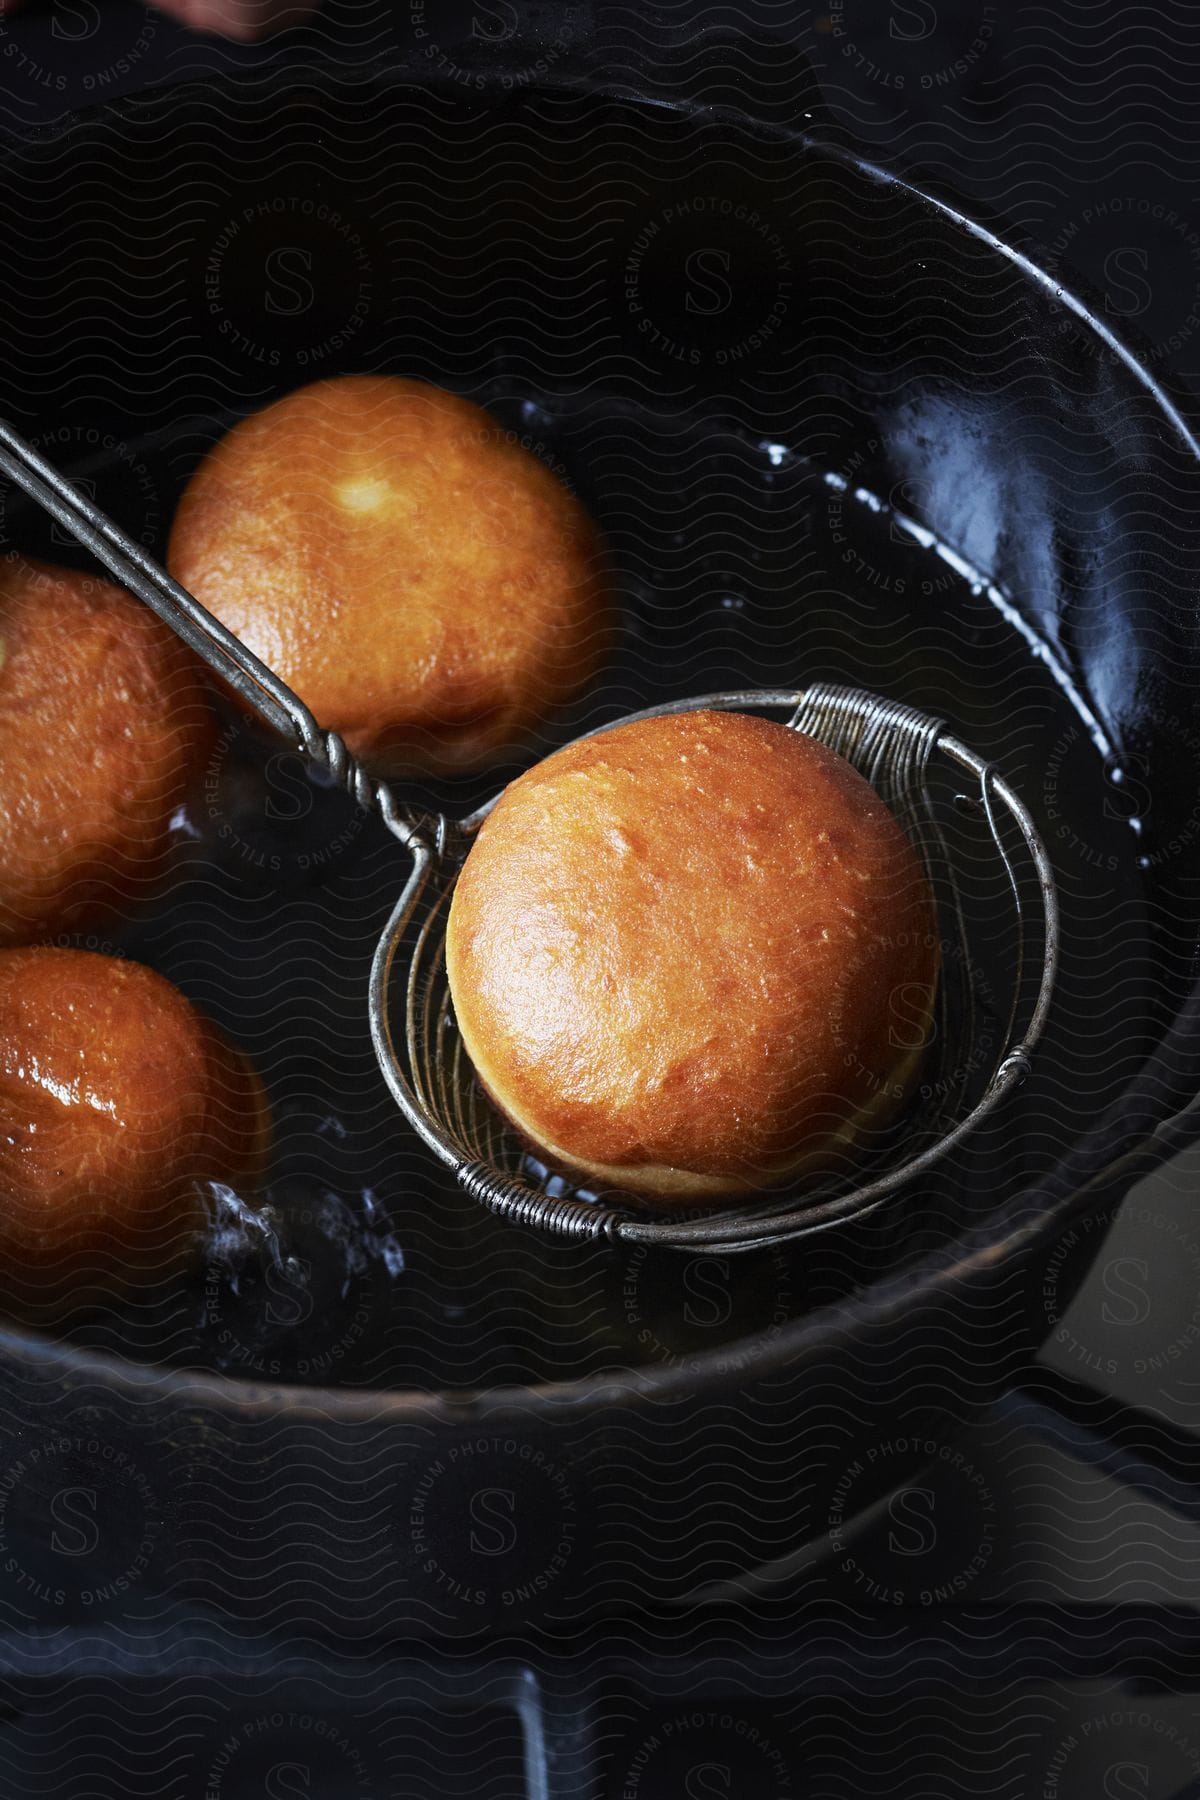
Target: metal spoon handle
column 261, row 689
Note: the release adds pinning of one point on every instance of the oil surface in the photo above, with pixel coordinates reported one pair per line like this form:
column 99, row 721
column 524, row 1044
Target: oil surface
column 740, row 566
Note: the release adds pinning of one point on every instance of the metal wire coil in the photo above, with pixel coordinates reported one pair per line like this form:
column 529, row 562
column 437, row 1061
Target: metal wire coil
column 897, row 749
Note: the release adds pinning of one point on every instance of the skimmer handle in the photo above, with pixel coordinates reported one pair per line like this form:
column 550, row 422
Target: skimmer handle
column 133, row 566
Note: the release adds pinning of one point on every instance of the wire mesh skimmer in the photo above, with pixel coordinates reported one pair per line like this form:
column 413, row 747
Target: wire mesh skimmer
column 988, row 869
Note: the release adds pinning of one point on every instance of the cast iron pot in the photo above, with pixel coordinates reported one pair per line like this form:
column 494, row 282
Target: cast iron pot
column 723, row 332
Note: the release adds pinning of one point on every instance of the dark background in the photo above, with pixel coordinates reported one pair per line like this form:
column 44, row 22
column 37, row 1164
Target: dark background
column 1078, row 121
column 1077, row 124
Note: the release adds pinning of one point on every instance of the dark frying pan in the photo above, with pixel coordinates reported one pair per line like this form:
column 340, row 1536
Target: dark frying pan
column 833, row 428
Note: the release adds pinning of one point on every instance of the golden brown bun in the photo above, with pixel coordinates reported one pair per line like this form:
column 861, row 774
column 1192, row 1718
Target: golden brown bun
column 103, row 725
column 430, row 590
column 116, row 1097
column 686, row 955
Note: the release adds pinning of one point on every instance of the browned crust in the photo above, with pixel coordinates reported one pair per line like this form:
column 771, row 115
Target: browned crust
column 104, row 724
column 428, row 588
column 116, row 1097
column 693, row 956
